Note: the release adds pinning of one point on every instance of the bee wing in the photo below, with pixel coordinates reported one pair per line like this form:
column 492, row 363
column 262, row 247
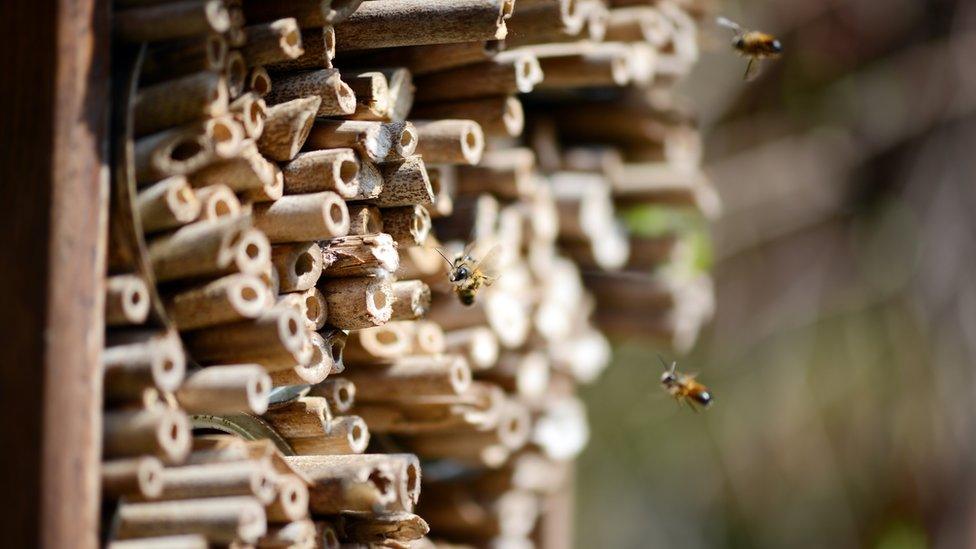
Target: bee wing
column 487, row 263
column 728, row 23
column 752, row 69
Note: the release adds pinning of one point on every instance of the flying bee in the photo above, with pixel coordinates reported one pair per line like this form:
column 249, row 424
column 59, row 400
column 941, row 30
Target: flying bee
column 753, row 44
column 468, row 274
column 683, row 387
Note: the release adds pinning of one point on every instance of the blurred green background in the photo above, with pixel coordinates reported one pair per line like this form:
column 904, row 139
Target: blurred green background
column 842, row 348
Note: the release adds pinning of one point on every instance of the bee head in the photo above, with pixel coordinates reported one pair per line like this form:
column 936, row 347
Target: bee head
column 668, row 378
column 776, row 46
column 459, row 274
column 739, row 42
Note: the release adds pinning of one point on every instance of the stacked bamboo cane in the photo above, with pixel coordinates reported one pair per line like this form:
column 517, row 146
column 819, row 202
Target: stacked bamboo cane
column 284, row 350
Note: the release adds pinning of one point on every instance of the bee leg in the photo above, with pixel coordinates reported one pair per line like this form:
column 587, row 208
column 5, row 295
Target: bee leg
column 748, row 74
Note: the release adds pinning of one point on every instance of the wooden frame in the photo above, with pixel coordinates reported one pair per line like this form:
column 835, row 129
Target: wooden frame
column 53, row 169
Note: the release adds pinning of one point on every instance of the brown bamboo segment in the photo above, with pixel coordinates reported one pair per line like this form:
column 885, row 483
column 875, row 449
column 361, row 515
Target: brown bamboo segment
column 377, row 141
column 319, row 50
column 637, row 24
column 334, row 170
column 176, row 151
column 299, row 533
column 236, row 74
column 372, row 95
column 236, row 35
column 526, row 375
column 431, row 58
column 405, row 183
column 250, row 110
column 286, row 127
column 210, row 249
column 516, row 73
column 498, row 116
column 303, row 218
column 299, row 266
column 180, row 101
column 247, row 172
column 443, row 180
column 478, row 344
column 406, row 472
column 342, row 484
column 413, row 22
column 189, row 541
column 412, row 376
column 252, row 478
column 357, row 303
column 139, row 477
column 170, row 21
column 360, row 256
column 221, row 520
column 258, row 81
column 326, row 535
column 411, row 300
column 174, row 59
column 370, row 179
column 217, row 202
column 582, row 65
column 142, row 361
column 304, row 417
column 160, row 432
column 126, row 300
column 507, row 173
column 226, row 390
column 428, row 338
column 379, row 345
column 276, row 340
column 384, row 528
column 449, row 141
column 308, row 13
column 340, row 393
column 316, row 308
column 548, row 21
column 311, row 372
column 365, row 219
column 463, row 511
column 272, row 42
column 231, row 298
column 291, row 500
column 344, row 435
column 337, row 97
column 167, row 204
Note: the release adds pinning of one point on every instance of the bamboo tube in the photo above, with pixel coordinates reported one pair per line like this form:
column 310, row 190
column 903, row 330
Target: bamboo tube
column 287, row 126
column 414, row 22
column 582, row 65
column 372, row 95
column 276, row 340
column 245, row 173
column 478, row 344
column 430, row 58
column 208, row 249
column 315, row 370
column 236, row 35
column 167, row 204
column 189, row 541
column 516, row 73
column 543, row 22
column 316, row 308
column 405, row 183
column 177, row 151
column 228, row 299
column 443, row 181
column 412, row 376
column 337, row 97
column 526, row 375
column 357, row 303
column 304, row 417
column 482, row 449
column 236, row 74
column 609, row 252
column 217, row 449
column 480, row 407
column 303, row 218
column 384, row 528
column 170, row 21
column 142, row 361
column 226, row 390
column 507, row 173
column 126, row 300
column 174, row 59
column 291, row 500
column 259, row 81
column 299, row 266
column 252, row 478
column 379, row 345
column 341, row 483
column 450, row 141
column 326, row 170
column 405, row 469
column 584, row 205
column 308, row 13
column 340, row 393
column 335, row 339
column 377, row 141
column 365, row 219
column 299, row 533
column 461, row 512
column 139, row 477
column 217, row 202
column 411, row 300
column 370, row 179
column 319, row 50
column 161, row 432
column 221, row 520
column 401, row 92
column 178, row 102
column 407, row 225
column 428, row 338
column 499, row 116
column 268, row 43
column 360, row 255
column 637, row 24
column 249, row 110
column 345, row 435
column 326, row 536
